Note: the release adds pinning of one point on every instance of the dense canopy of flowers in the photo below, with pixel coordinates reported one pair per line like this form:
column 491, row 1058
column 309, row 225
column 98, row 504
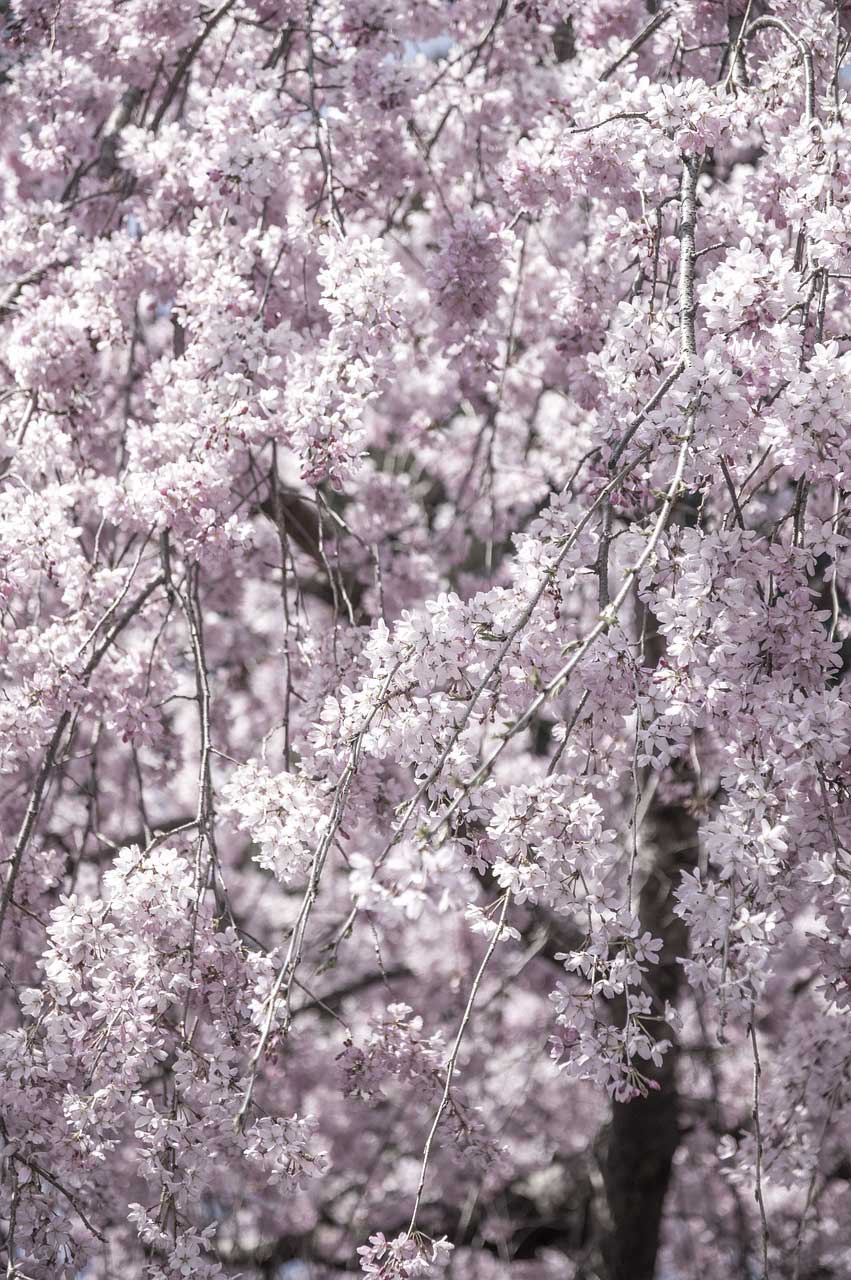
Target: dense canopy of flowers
column 425, row 459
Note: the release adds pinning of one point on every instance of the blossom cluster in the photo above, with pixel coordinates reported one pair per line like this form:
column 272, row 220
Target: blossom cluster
column 426, row 635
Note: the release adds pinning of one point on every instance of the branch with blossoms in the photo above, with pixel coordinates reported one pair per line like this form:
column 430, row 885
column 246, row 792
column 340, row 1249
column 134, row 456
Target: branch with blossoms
column 423, row 543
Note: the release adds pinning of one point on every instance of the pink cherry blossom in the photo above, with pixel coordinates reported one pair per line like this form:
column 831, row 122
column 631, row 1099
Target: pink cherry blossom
column 424, row 559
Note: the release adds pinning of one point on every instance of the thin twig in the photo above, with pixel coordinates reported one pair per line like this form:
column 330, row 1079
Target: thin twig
column 777, row 24
column 644, row 34
column 49, row 759
column 453, row 1057
column 757, row 1074
column 186, row 61
column 286, row 974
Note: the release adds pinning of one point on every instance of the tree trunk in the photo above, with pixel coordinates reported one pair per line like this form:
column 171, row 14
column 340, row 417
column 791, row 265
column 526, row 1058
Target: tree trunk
column 638, row 1147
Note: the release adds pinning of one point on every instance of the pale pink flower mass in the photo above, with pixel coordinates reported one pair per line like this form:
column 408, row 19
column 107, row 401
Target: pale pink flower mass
column 425, row 726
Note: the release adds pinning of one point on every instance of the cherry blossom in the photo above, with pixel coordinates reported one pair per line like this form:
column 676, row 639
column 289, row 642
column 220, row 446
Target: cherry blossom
column 424, row 547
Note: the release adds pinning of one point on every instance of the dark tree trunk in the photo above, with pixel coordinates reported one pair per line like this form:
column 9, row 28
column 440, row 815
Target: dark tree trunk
column 637, row 1150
